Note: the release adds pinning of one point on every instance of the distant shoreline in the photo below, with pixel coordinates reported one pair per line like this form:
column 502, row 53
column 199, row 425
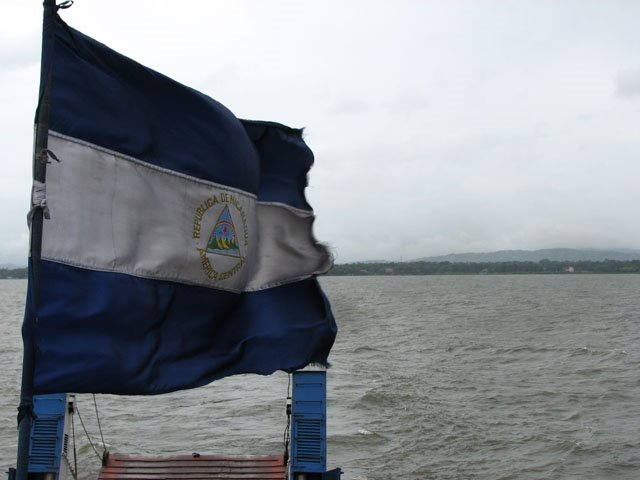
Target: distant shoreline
column 486, row 268
column 13, row 273
column 450, row 268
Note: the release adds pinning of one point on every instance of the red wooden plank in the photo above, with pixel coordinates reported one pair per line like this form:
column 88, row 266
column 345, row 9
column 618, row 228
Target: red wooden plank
column 179, row 475
column 199, row 461
column 193, row 467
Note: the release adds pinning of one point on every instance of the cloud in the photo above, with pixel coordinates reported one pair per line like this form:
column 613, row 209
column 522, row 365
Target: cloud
column 14, row 246
column 350, row 105
column 17, row 57
column 628, row 84
column 407, row 103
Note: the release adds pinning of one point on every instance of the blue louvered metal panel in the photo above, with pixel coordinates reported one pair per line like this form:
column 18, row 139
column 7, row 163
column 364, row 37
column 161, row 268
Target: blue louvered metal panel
column 47, row 433
column 309, row 436
column 309, row 420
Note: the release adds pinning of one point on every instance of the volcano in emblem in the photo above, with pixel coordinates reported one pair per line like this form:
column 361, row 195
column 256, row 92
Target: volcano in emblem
column 223, row 239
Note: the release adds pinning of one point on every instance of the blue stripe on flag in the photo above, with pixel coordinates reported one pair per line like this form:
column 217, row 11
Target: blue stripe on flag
column 107, row 99
column 285, row 160
column 105, row 332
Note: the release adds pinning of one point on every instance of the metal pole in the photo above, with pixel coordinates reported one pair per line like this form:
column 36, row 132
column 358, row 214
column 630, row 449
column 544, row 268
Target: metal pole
column 39, row 175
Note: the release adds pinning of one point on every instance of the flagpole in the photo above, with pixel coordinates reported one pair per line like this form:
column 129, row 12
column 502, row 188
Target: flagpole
column 25, row 410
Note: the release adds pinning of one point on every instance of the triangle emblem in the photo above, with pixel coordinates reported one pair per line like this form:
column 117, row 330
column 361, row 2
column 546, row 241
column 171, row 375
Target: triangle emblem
column 223, row 240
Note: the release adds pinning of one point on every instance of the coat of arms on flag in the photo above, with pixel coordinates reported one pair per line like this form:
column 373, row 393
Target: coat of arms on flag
column 223, row 240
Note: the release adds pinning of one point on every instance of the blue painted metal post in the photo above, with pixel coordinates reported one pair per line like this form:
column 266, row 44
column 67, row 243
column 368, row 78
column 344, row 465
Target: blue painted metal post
column 39, row 175
column 309, row 428
column 309, row 425
column 47, row 435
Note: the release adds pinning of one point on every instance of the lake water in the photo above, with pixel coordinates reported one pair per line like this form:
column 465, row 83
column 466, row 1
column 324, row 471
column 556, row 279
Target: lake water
column 434, row 377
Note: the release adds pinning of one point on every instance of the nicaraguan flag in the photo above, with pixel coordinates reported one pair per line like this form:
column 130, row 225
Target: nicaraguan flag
column 179, row 248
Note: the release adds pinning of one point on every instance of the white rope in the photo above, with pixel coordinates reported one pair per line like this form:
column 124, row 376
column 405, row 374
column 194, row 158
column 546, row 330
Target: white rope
column 38, row 200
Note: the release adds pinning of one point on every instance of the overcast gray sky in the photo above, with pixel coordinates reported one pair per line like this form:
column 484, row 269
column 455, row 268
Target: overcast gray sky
column 437, row 126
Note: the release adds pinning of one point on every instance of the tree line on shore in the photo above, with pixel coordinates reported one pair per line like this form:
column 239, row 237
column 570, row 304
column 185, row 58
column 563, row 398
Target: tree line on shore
column 452, row 268
column 13, row 272
column 486, row 268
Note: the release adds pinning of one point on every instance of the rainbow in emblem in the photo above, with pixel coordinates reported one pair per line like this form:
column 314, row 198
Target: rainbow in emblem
column 223, row 240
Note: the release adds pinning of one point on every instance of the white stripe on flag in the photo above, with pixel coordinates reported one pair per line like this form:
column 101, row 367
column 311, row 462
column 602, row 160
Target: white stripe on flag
column 113, row 213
